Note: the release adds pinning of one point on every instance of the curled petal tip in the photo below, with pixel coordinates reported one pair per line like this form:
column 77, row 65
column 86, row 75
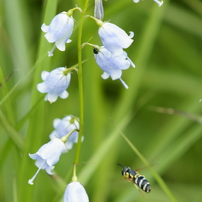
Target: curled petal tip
column 131, row 34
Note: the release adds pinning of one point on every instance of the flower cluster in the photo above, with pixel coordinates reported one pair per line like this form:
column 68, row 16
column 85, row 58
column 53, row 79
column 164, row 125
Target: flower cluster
column 61, row 140
column 58, row 32
column 65, row 126
column 55, row 84
column 110, row 57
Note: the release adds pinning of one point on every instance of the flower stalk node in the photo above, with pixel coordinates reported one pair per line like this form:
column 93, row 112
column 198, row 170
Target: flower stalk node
column 70, row 12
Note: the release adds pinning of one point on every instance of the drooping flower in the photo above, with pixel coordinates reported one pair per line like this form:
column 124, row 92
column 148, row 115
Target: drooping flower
column 75, row 192
column 47, row 156
column 113, row 38
column 65, row 126
column 59, row 31
column 112, row 65
column 98, row 10
column 55, row 84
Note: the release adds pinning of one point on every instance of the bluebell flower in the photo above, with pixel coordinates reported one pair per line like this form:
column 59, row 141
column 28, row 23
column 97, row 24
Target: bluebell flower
column 65, row 126
column 75, row 192
column 55, row 84
column 112, row 65
column 59, row 31
column 47, row 156
column 113, row 38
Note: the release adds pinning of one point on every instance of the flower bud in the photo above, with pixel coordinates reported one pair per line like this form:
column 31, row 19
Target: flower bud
column 98, row 10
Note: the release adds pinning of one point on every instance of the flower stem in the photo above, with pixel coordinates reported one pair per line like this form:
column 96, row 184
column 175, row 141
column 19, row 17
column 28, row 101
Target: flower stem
column 80, row 80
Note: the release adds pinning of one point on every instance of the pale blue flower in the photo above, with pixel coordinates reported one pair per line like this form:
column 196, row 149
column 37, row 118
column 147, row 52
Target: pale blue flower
column 75, row 192
column 112, row 65
column 47, row 156
column 65, row 126
column 59, row 31
column 114, row 39
column 55, row 84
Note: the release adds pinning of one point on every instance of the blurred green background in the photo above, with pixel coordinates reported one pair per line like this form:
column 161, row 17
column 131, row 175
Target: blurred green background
column 167, row 51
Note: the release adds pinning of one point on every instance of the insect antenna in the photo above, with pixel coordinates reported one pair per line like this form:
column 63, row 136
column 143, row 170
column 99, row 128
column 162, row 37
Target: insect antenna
column 119, row 164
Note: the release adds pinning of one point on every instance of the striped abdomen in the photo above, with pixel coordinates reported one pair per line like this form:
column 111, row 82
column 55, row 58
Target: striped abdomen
column 142, row 183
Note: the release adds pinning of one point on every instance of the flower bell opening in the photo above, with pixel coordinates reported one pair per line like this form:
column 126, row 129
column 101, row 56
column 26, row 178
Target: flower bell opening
column 112, row 65
column 55, row 84
column 59, row 31
column 47, row 156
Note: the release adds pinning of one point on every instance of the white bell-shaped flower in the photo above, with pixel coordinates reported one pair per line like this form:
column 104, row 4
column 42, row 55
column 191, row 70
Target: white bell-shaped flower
column 114, row 39
column 112, row 65
column 75, row 192
column 65, row 126
column 59, row 31
column 47, row 156
column 55, row 84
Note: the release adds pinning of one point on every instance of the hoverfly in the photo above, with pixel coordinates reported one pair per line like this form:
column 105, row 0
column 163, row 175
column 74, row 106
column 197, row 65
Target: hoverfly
column 137, row 179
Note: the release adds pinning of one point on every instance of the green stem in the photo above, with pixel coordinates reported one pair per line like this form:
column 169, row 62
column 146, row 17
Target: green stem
column 80, row 79
column 154, row 173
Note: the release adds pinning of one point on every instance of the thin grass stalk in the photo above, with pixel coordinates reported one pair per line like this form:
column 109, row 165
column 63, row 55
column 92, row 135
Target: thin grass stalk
column 35, row 131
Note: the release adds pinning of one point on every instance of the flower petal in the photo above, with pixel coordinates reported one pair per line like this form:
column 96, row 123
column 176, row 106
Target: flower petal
column 114, row 38
column 41, row 87
column 105, row 75
column 44, row 27
column 111, row 65
column 64, row 94
column 56, row 122
column 44, row 75
column 51, row 97
column 75, row 192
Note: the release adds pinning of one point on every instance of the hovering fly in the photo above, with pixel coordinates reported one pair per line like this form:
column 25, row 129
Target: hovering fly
column 137, row 179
